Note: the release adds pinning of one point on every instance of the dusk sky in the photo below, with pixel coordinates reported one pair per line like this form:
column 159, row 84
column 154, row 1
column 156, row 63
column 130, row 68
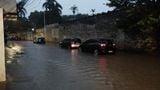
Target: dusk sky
column 84, row 6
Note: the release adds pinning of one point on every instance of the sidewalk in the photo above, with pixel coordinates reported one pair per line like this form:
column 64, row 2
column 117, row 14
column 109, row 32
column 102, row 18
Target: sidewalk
column 10, row 55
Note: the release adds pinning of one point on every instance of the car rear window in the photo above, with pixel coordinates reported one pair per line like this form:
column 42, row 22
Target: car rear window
column 106, row 41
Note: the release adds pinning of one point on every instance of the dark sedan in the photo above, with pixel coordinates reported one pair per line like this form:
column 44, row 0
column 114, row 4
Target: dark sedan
column 40, row 40
column 98, row 46
column 70, row 43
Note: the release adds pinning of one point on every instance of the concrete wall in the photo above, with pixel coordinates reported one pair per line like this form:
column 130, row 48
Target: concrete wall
column 77, row 30
column 51, row 34
column 29, row 36
column 2, row 54
column 38, row 33
column 85, row 31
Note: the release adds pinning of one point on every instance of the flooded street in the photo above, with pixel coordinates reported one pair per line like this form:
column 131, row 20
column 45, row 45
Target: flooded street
column 49, row 67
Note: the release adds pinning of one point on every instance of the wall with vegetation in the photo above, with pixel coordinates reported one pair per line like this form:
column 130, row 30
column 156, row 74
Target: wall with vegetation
column 105, row 25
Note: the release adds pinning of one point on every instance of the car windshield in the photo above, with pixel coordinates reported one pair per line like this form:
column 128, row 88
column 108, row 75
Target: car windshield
column 76, row 40
column 41, row 39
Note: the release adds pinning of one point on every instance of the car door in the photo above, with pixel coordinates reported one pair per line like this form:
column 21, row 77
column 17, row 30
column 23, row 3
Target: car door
column 67, row 43
column 84, row 45
column 93, row 45
column 90, row 45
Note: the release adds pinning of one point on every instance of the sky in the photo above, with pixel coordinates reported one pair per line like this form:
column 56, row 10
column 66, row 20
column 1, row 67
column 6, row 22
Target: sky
column 84, row 6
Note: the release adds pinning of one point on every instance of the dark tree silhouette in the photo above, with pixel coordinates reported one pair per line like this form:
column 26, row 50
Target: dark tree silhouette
column 93, row 11
column 74, row 9
column 21, row 11
column 52, row 11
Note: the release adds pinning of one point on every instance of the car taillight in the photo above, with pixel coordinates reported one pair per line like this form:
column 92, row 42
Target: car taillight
column 103, row 45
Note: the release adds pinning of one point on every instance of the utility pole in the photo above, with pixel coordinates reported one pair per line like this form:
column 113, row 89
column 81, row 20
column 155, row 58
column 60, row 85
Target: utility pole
column 2, row 52
column 44, row 17
column 95, row 31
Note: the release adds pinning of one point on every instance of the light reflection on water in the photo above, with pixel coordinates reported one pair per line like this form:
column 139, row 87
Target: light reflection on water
column 102, row 64
column 13, row 51
column 74, row 53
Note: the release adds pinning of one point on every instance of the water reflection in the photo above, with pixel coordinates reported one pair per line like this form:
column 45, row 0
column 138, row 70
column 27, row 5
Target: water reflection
column 74, row 54
column 13, row 51
column 102, row 64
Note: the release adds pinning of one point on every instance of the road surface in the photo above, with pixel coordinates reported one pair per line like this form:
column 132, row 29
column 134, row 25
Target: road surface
column 49, row 67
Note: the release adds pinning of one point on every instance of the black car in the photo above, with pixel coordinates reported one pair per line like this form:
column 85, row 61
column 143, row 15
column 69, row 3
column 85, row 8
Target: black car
column 98, row 46
column 70, row 43
column 40, row 40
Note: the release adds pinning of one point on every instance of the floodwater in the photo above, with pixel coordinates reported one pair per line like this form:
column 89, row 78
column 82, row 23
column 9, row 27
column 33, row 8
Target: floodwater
column 49, row 67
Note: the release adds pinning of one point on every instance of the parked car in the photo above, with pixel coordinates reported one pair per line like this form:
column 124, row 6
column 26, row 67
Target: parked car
column 70, row 43
column 40, row 40
column 98, row 46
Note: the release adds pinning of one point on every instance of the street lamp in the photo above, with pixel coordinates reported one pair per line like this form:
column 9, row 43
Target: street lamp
column 95, row 31
column 33, row 30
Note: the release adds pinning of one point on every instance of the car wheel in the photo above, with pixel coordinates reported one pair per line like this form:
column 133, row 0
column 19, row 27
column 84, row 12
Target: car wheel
column 96, row 52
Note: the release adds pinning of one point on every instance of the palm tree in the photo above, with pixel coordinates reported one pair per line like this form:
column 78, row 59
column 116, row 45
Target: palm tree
column 21, row 11
column 93, row 10
column 74, row 9
column 52, row 5
column 52, row 13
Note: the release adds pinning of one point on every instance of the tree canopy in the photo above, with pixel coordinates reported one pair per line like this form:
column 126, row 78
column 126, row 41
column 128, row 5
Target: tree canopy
column 53, row 11
column 21, row 11
column 74, row 9
column 37, row 19
column 138, row 18
column 141, row 15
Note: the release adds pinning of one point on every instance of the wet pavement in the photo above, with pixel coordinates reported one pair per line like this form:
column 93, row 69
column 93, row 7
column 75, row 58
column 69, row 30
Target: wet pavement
column 48, row 67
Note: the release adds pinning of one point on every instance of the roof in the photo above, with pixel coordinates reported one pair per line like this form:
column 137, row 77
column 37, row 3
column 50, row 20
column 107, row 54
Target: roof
column 8, row 5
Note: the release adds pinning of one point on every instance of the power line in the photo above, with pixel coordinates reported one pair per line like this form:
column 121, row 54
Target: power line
column 29, row 2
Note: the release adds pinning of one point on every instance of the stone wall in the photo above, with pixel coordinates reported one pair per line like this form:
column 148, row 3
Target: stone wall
column 51, row 33
column 77, row 30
